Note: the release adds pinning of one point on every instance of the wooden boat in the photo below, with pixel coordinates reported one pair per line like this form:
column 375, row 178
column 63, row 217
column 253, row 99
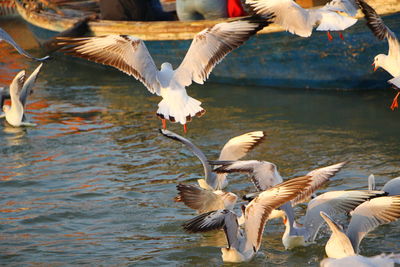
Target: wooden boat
column 271, row 58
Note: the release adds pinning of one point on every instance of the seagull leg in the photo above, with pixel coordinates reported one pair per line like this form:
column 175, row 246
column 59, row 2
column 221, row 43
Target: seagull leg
column 330, row 38
column 185, row 128
column 164, row 124
column 395, row 104
column 341, row 36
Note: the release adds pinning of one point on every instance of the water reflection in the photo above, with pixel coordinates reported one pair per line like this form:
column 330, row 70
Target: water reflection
column 93, row 183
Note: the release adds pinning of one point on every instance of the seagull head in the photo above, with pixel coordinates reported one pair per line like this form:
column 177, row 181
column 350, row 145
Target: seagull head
column 166, row 66
column 378, row 60
column 6, row 108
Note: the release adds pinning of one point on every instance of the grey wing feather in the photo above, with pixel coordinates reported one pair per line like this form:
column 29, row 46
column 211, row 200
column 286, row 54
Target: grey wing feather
column 6, row 37
column 199, row 199
column 370, row 215
column 332, row 203
column 320, row 177
column 211, row 45
column 124, row 52
column 263, row 174
column 216, row 220
column 379, row 29
column 28, row 85
column 209, row 176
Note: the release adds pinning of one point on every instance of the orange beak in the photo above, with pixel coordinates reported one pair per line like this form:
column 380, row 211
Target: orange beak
column 284, row 219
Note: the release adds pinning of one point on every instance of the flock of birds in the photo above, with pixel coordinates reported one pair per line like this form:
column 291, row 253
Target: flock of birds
column 275, row 198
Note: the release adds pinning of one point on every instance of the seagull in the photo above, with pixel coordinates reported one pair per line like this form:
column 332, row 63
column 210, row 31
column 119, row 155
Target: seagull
column 365, row 218
column 4, row 36
column 264, row 175
column 236, row 148
column 130, row 55
column 20, row 88
column 301, row 21
column 244, row 244
column 332, row 203
column 388, row 260
column 392, row 187
column 391, row 61
column 209, row 196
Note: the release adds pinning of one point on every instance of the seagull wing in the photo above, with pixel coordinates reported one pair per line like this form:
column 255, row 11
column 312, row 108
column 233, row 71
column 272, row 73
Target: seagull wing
column 379, row 29
column 263, row 174
column 199, row 199
column 216, row 220
column 236, row 148
column 320, row 177
column 6, row 37
column 28, row 85
column 124, row 52
column 16, row 87
column 259, row 209
column 288, row 14
column 209, row 176
column 332, row 203
column 211, row 45
column 370, row 215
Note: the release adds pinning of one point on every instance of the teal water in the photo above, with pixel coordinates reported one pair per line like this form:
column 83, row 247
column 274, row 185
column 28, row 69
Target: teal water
column 94, row 182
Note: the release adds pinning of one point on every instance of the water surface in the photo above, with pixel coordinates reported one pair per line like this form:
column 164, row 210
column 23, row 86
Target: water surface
column 93, row 183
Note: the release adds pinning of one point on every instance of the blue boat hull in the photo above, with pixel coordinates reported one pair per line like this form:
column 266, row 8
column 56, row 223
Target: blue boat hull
column 283, row 60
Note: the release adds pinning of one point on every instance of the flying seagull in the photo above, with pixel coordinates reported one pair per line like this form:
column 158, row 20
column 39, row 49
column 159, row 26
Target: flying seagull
column 391, row 61
column 301, row 21
column 244, row 244
column 130, row 55
column 20, row 88
column 6, row 37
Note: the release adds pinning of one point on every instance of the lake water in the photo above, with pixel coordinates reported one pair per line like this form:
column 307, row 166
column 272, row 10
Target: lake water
column 94, row 182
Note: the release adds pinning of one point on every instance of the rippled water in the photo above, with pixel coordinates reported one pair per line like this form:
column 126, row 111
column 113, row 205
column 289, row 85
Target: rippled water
column 93, row 183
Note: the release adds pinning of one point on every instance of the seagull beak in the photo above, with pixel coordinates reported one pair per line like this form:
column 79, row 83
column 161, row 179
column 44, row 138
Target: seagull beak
column 375, row 67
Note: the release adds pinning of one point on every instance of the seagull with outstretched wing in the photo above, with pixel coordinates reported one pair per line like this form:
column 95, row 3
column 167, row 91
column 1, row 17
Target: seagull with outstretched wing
column 244, row 244
column 264, row 175
column 365, row 218
column 301, row 21
column 209, row 196
column 391, row 61
column 20, row 88
column 130, row 55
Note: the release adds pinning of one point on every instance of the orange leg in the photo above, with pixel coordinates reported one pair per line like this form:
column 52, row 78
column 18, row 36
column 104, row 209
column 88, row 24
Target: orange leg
column 341, row 36
column 185, row 128
column 330, row 38
column 164, row 123
column 395, row 104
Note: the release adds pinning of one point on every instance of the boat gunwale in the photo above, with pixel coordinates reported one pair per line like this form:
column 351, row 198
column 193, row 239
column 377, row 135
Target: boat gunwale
column 146, row 30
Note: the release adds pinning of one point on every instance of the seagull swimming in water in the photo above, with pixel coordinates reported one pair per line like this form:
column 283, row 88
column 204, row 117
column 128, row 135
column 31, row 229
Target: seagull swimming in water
column 130, row 55
column 301, row 21
column 209, row 196
column 244, row 244
column 20, row 88
column 4, row 36
column 365, row 218
column 391, row 61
